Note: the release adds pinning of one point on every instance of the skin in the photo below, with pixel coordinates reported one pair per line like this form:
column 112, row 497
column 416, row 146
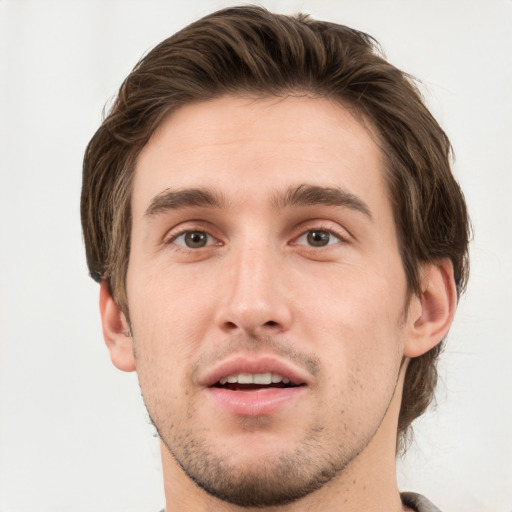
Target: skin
column 340, row 313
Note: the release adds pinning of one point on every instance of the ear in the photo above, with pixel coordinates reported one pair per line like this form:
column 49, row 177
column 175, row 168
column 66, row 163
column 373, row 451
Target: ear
column 431, row 314
column 116, row 331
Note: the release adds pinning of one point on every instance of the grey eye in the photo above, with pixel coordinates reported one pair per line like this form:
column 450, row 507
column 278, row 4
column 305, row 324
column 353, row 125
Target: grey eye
column 318, row 238
column 193, row 239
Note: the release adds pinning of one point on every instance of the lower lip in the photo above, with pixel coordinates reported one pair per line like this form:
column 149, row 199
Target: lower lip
column 262, row 402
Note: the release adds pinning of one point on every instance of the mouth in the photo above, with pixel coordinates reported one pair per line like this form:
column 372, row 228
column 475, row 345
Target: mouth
column 255, row 382
column 255, row 387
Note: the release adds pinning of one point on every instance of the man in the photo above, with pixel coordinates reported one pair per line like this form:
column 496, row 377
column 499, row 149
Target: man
column 280, row 246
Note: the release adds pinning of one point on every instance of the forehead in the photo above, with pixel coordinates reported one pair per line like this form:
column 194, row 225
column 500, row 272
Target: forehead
column 257, row 146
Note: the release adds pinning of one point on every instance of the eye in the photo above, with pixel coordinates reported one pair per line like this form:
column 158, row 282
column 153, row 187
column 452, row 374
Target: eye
column 318, row 238
column 193, row 239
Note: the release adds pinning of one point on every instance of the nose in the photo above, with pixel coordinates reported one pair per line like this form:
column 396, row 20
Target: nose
column 255, row 294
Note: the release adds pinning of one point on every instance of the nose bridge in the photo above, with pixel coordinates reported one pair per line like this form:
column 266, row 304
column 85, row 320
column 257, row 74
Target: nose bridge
column 254, row 298
column 253, row 271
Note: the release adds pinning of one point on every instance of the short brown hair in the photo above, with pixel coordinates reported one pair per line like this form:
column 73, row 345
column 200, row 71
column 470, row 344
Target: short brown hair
column 250, row 50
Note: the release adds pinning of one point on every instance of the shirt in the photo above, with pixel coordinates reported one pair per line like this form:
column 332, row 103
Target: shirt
column 418, row 502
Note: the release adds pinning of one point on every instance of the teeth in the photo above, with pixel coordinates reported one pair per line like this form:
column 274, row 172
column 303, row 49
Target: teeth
column 245, row 378
column 254, row 378
column 262, row 378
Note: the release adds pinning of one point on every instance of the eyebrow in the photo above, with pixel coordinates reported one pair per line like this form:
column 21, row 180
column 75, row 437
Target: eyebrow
column 301, row 195
column 185, row 198
column 314, row 195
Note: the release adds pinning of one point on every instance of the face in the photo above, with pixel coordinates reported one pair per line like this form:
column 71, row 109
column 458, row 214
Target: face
column 266, row 293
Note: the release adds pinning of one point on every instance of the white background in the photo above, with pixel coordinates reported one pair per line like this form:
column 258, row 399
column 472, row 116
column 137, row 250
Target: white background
column 73, row 434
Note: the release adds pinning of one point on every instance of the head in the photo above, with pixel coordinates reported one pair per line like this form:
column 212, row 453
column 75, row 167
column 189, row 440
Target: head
column 253, row 54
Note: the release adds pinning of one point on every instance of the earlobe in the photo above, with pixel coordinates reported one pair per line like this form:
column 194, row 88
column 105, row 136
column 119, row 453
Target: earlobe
column 431, row 314
column 116, row 331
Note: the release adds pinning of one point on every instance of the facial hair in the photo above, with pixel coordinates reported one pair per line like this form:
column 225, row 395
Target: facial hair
column 279, row 479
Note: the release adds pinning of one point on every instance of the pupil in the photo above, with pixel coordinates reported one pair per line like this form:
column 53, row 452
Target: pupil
column 318, row 238
column 195, row 239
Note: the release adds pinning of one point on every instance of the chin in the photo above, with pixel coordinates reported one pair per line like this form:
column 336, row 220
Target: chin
column 276, row 481
column 268, row 475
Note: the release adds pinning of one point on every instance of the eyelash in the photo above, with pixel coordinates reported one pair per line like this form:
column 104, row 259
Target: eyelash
column 319, row 229
column 173, row 239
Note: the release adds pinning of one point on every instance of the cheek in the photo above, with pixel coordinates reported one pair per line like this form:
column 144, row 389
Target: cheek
column 164, row 325
column 167, row 301
column 358, row 299
column 357, row 323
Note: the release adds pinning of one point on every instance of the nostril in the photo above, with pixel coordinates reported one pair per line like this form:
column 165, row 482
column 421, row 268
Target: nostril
column 271, row 323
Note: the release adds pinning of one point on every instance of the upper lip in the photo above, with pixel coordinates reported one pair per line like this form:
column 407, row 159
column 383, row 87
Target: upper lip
column 258, row 364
